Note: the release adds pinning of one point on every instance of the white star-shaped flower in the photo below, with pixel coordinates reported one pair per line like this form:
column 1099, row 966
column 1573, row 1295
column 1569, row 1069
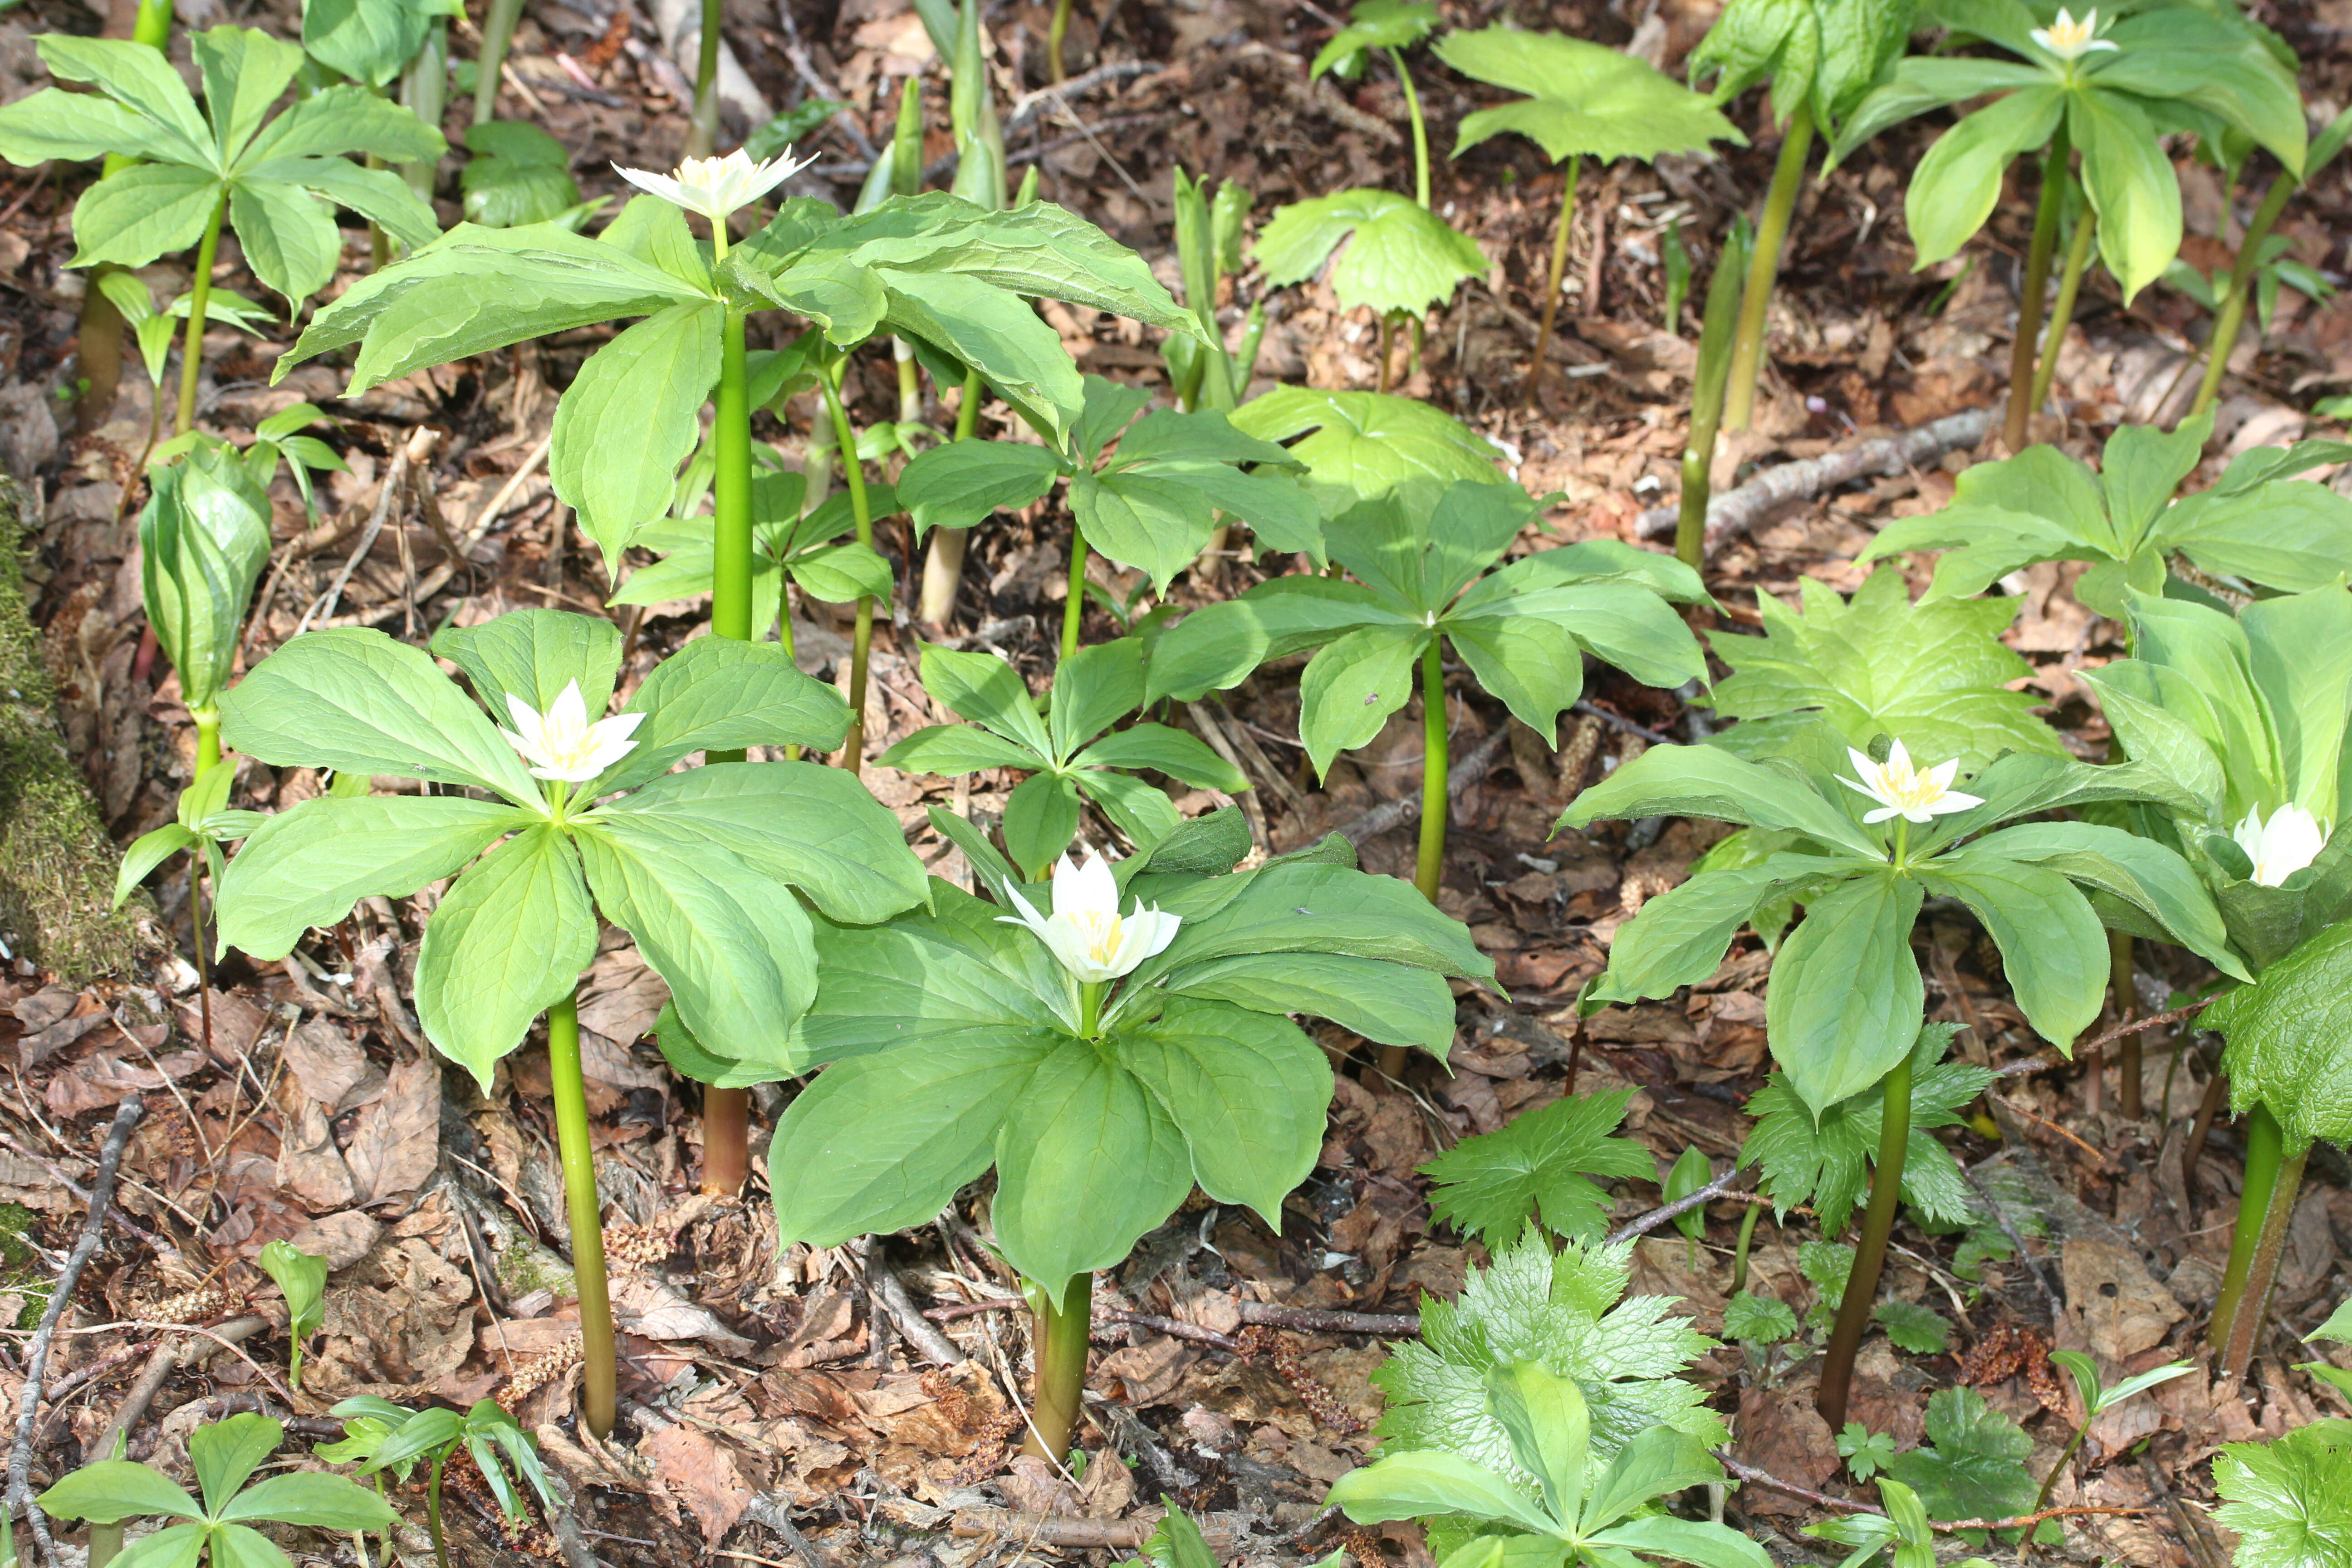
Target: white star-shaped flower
column 2284, row 845
column 1085, row 931
column 2070, row 40
column 717, row 187
column 1914, row 795
column 561, row 744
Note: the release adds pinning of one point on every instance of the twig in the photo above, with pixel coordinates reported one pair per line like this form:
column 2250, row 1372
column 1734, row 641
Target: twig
column 1315, row 1321
column 1730, row 515
column 1406, row 807
column 168, row 1358
column 2044, row 1061
column 2095, row 1152
column 2009, row 1228
column 891, row 1291
column 506, row 492
column 1719, row 1187
column 383, row 498
column 1221, row 744
column 1755, row 1477
column 36, row 1355
column 1619, row 721
column 1029, row 105
column 2191, row 1535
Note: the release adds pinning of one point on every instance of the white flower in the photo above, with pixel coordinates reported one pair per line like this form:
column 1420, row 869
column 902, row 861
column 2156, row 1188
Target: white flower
column 561, row 744
column 2284, row 845
column 1904, row 791
column 1087, row 931
column 717, row 187
column 2070, row 40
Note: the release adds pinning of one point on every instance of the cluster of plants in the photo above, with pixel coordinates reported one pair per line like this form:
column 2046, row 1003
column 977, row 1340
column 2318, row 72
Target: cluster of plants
column 1106, row 1032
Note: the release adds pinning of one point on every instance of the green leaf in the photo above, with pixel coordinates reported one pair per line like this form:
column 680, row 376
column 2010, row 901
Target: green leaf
column 534, row 654
column 1352, row 686
column 137, row 76
column 952, row 749
column 2286, row 1499
column 148, row 851
column 1490, row 1184
column 1953, row 189
column 1679, row 937
column 960, row 483
column 2131, row 184
column 1361, row 444
column 307, row 866
column 290, row 243
column 1762, row 1320
column 1976, row 1468
column 1659, row 1463
column 344, row 119
column 148, row 210
column 352, row 698
column 1932, row 675
column 178, row 1545
column 1041, row 819
column 1387, row 1002
column 77, row 125
column 2053, row 949
column 314, row 1500
column 1399, row 257
column 1248, row 1092
column 243, row 69
column 983, row 327
column 1705, row 781
column 1583, row 97
column 1086, row 1161
column 203, row 539
column 1093, row 689
column 517, row 173
column 719, row 694
column 506, row 941
column 1216, row 646
column 1305, row 907
column 1692, row 1171
column 1175, row 752
column 655, row 375
column 2144, row 873
column 1699, row 1543
column 369, row 40
column 1374, row 24
column 1550, row 1430
column 226, row 1453
column 106, row 1491
column 1845, row 1000
column 301, row 1279
column 377, row 194
column 1412, row 1483
column 2269, row 1026
column 1914, row 1327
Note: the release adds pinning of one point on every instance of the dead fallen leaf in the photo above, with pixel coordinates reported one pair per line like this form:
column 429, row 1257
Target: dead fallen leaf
column 699, row 1473
column 331, row 1067
column 397, row 1140
column 2120, row 1308
column 342, row 1239
column 1783, row 1433
column 309, row 1164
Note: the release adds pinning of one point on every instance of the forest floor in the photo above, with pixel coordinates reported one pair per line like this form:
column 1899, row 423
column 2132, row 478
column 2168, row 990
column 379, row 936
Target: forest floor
column 776, row 1408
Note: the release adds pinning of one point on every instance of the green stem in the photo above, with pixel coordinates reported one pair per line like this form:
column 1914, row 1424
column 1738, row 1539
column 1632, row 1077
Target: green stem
column 943, row 560
column 200, row 299
column 208, row 746
column 1690, row 521
column 2241, row 287
column 861, row 509
column 424, row 90
column 498, row 32
column 1870, row 1257
column 2127, row 1000
column 1559, row 266
column 1429, row 864
column 2262, row 1270
column 1764, row 272
column 1420, row 131
column 1060, row 1352
column 433, row 1511
column 1090, row 1001
column 2037, row 255
column 586, row 1213
column 1074, row 608
column 2265, row 1151
column 702, row 129
column 2050, row 1481
column 2062, row 313
column 106, row 1542
column 1056, row 31
column 1739, row 1252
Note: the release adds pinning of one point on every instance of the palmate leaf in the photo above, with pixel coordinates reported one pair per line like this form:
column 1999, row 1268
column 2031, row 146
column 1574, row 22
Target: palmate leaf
column 1973, row 1464
column 1394, row 254
column 1826, row 1165
column 1758, row 1319
column 1538, row 1164
column 1932, row 675
column 2288, row 1499
column 1581, row 98
column 2271, row 1026
column 1362, row 445
column 1922, row 1331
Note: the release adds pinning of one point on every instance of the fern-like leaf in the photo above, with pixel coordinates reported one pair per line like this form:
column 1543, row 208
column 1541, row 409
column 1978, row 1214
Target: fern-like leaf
column 1538, row 1164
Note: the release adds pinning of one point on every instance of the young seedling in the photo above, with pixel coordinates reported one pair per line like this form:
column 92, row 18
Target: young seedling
column 575, row 815
column 1071, row 762
column 2098, row 1399
column 1399, row 257
column 1106, row 1044
column 1844, row 1013
column 218, row 1530
column 379, row 1435
column 278, row 182
column 153, row 331
column 1710, row 379
column 1758, row 1324
column 1206, row 373
column 1151, row 502
column 2256, row 524
column 302, row 1281
column 1580, row 1513
column 1972, row 1465
column 1583, row 101
column 1865, row 1452
column 2273, row 267
column 1903, row 1528
column 1821, row 57
column 1536, row 1167
column 2107, row 92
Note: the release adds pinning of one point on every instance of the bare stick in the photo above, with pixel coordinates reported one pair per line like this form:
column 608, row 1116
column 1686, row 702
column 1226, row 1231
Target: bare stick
column 36, row 1355
column 1755, row 1477
column 1719, row 1187
column 1407, row 808
column 2050, row 1059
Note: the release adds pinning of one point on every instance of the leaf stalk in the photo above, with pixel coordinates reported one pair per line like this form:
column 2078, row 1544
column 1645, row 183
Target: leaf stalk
column 1764, row 272
column 200, row 298
column 1870, row 1257
column 599, row 1392
column 2037, row 255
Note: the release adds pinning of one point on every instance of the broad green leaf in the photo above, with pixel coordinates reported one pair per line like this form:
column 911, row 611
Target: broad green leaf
column 2131, row 185
column 654, row 377
column 1659, row 1463
column 224, row 1453
column 1975, row 1468
column 204, row 540
column 1551, row 1431
column 1041, row 819
column 377, row 194
column 344, row 119
column 148, row 851
column 1538, row 1164
column 1845, row 999
column 1953, row 189
column 291, row 242
column 145, row 211
column 1360, row 445
column 178, row 1545
column 2300, row 655
column 1698, row 1542
column 883, row 1141
column 1181, row 756
column 516, row 173
column 1705, row 781
column 960, row 483
column 1532, row 653
column 2130, row 699
column 2218, row 63
column 719, row 694
column 2289, row 534
column 1216, row 646
column 1137, row 808
column 1398, row 256
column 985, row 690
column 51, row 124
column 1680, row 936
column 1247, row 1092
column 138, row 76
column 952, row 749
column 2053, row 950
column 368, row 40
column 534, row 654
column 243, row 69
column 1583, row 97
column 315, row 1500
column 1086, row 1161
column 2286, row 1499
column 1093, row 689
column 307, row 866
column 2141, row 871
column 1303, row 907
column 1387, row 1002
column 1411, row 1484
column 981, row 326
column 352, row 698
column 105, row 1491
column 1352, row 686
column 1155, row 522
column 508, row 940
column 1373, row 25
column 2271, row 1026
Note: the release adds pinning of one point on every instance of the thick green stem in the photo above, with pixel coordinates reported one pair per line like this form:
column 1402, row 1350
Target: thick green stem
column 498, row 32
column 2062, row 313
column 425, row 88
column 1074, row 608
column 1090, row 1001
column 1764, row 272
column 2266, row 1151
column 2241, row 287
column 586, row 1215
column 2037, row 255
column 1740, row 1252
column 433, row 1511
column 702, row 129
column 1870, row 1257
column 2127, row 1049
column 861, row 510
column 106, row 1543
column 2262, row 1270
column 208, row 746
column 943, row 560
column 1061, row 1355
column 200, row 299
column 1551, row 285
column 1429, row 864
column 1690, row 521
column 1420, row 131
column 1056, row 31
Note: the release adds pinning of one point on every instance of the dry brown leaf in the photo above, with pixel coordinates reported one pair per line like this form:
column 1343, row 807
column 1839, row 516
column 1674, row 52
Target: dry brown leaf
column 309, row 1164
column 397, row 1142
column 1781, row 1433
column 700, row 1473
column 342, row 1239
column 331, row 1067
column 2120, row 1308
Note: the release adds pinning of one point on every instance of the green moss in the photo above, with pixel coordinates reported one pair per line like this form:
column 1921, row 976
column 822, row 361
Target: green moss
column 21, row 1268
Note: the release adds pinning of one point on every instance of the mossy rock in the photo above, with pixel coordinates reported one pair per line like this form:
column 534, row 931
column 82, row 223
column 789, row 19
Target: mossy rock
column 56, row 861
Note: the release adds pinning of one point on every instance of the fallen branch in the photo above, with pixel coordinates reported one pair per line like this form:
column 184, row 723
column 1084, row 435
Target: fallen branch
column 891, row 1291
column 36, row 1355
column 1406, row 807
column 168, row 1358
column 2044, row 1061
column 1721, row 1186
column 1734, row 513
column 1755, row 1477
column 1265, row 1314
